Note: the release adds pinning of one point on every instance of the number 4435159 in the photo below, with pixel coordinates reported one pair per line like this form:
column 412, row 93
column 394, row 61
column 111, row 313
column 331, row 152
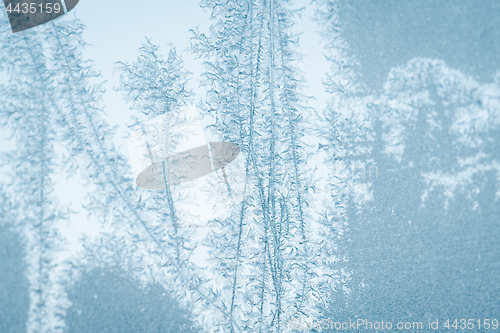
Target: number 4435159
column 33, row 8
column 469, row 324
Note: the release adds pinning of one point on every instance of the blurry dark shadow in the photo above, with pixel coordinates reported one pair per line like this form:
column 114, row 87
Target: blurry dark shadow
column 383, row 34
column 14, row 294
column 110, row 301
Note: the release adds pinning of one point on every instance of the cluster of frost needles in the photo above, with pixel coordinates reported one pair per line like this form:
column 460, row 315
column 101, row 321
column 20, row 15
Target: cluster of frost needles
column 277, row 256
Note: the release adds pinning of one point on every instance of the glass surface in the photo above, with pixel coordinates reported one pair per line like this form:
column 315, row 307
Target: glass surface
column 249, row 166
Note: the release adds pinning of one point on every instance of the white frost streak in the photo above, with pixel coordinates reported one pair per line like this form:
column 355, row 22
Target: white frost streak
column 459, row 181
column 473, row 108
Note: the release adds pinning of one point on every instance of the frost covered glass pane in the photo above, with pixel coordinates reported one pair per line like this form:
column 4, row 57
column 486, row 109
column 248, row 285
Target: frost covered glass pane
column 250, row 166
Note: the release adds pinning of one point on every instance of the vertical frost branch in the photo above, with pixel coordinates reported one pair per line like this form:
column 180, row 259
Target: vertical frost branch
column 263, row 249
column 29, row 111
column 347, row 131
column 157, row 88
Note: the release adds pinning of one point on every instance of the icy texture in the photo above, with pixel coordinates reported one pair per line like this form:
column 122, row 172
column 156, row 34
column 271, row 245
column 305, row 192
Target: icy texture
column 13, row 283
column 425, row 246
column 110, row 301
column 384, row 205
